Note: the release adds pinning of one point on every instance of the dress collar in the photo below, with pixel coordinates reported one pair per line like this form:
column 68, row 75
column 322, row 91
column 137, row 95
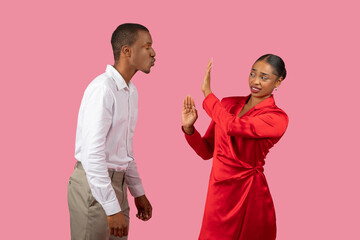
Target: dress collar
column 268, row 102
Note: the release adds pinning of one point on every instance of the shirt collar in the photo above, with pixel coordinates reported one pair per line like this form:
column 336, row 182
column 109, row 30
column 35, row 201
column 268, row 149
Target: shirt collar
column 119, row 80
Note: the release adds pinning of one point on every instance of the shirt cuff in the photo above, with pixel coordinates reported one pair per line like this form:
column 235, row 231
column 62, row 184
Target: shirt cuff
column 112, row 207
column 136, row 190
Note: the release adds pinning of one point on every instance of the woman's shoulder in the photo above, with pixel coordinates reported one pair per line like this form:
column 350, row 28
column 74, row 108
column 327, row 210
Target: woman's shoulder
column 278, row 111
column 229, row 102
column 233, row 99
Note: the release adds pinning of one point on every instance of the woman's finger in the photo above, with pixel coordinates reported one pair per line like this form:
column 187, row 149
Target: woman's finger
column 188, row 102
column 193, row 111
column 210, row 64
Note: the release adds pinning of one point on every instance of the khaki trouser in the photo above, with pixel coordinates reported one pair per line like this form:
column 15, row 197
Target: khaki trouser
column 88, row 220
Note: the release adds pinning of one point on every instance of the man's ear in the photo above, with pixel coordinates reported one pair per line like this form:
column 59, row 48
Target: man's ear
column 126, row 51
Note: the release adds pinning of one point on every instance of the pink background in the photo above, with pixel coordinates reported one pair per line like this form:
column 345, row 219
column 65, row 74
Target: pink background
column 51, row 50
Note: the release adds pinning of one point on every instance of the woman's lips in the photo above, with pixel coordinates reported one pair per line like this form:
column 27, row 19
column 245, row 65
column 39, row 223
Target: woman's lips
column 255, row 89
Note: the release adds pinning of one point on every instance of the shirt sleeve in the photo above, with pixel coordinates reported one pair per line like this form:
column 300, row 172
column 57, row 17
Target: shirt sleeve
column 133, row 180
column 268, row 124
column 97, row 120
column 203, row 146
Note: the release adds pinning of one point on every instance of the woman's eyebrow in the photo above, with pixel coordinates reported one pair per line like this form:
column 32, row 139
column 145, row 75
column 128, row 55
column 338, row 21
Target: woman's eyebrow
column 253, row 69
column 265, row 73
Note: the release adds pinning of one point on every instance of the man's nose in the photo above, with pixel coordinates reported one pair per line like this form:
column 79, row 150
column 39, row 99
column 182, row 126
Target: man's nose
column 153, row 54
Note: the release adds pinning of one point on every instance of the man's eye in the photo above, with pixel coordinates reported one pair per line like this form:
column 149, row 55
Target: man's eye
column 252, row 74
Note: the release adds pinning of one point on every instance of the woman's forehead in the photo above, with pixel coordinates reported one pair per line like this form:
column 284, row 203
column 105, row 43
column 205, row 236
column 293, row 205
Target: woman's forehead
column 262, row 66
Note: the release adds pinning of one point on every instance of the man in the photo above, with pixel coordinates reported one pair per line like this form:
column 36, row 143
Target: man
column 97, row 190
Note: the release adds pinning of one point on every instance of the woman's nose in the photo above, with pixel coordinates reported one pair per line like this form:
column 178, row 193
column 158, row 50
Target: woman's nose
column 256, row 80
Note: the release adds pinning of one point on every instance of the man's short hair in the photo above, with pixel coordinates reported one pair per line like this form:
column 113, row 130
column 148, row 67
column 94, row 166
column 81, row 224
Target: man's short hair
column 125, row 34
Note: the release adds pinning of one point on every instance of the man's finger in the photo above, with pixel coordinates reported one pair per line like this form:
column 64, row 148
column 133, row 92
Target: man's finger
column 120, row 232
column 150, row 212
column 125, row 231
column 115, row 232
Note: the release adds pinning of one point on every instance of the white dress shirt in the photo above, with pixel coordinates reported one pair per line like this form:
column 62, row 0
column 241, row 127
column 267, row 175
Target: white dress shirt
column 104, row 136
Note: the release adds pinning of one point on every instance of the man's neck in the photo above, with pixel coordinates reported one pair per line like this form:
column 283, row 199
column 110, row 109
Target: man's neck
column 126, row 72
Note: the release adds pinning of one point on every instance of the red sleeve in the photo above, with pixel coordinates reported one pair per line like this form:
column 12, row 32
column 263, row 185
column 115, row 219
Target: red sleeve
column 272, row 123
column 203, row 146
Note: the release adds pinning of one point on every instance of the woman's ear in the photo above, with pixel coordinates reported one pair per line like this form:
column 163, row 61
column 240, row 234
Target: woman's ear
column 278, row 81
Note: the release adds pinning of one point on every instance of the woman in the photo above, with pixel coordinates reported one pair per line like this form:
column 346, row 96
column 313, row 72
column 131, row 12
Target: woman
column 242, row 130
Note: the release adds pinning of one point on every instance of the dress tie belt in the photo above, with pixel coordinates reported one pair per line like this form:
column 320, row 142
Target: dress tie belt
column 259, row 169
column 251, row 171
column 244, row 173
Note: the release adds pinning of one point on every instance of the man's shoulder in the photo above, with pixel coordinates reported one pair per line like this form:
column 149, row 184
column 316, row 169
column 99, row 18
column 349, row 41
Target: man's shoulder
column 104, row 80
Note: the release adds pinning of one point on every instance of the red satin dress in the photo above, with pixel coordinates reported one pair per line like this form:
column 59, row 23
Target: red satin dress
column 238, row 204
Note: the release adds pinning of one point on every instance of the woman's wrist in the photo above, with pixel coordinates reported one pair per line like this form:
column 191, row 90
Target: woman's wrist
column 189, row 130
column 207, row 92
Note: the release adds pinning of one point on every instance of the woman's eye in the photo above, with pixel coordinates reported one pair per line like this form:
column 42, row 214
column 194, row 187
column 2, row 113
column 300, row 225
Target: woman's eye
column 264, row 78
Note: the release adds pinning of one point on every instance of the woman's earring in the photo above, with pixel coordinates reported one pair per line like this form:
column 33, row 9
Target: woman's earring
column 276, row 89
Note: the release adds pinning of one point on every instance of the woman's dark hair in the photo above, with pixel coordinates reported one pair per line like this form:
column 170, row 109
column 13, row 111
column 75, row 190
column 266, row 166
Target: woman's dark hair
column 276, row 62
column 125, row 34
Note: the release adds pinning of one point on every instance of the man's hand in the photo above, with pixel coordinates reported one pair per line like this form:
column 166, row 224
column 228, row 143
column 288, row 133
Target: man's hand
column 144, row 208
column 118, row 225
column 205, row 87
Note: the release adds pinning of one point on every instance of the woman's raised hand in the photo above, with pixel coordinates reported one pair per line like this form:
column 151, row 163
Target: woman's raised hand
column 189, row 115
column 205, row 87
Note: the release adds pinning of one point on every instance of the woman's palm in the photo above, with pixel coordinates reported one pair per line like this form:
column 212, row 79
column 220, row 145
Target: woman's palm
column 189, row 113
